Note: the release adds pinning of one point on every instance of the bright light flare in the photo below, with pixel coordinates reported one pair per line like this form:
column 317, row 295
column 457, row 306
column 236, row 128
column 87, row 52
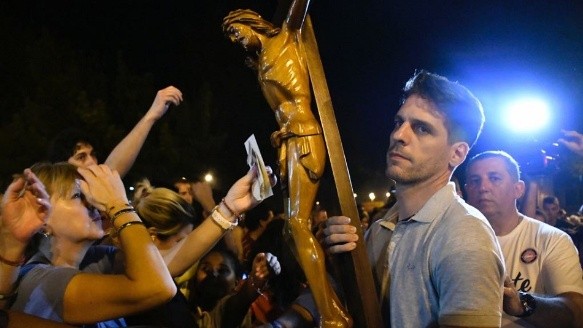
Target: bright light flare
column 527, row 115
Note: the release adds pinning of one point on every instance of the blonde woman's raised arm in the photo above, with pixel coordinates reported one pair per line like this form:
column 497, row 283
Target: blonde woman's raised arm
column 238, row 200
column 146, row 282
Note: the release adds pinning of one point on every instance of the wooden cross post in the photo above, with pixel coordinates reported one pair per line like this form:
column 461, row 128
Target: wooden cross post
column 356, row 274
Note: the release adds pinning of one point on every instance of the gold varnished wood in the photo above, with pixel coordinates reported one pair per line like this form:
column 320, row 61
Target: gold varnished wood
column 282, row 72
column 356, row 273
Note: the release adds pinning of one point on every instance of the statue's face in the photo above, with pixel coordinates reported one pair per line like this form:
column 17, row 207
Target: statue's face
column 244, row 35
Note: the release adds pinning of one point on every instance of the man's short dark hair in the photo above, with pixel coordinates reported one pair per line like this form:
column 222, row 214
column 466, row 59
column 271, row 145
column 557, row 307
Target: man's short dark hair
column 64, row 144
column 510, row 163
column 463, row 112
column 549, row 200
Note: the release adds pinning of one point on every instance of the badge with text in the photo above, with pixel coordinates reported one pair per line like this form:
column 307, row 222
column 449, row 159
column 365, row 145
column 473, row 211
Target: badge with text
column 261, row 188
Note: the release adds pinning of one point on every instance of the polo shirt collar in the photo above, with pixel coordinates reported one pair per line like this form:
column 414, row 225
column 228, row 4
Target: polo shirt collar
column 433, row 208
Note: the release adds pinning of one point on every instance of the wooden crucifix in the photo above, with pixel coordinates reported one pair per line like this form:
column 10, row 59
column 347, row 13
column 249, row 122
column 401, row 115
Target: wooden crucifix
column 287, row 59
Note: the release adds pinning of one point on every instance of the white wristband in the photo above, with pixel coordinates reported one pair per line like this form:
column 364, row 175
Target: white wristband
column 219, row 219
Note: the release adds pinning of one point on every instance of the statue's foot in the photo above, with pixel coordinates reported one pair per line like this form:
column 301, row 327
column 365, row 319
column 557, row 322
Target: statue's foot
column 340, row 321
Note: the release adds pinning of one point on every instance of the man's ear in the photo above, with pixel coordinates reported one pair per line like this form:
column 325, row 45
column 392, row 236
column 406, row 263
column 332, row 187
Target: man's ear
column 519, row 188
column 458, row 152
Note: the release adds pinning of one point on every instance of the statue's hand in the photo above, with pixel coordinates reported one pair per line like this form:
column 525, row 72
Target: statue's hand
column 276, row 139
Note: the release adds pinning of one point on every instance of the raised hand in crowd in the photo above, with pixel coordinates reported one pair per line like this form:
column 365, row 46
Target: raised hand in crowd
column 263, row 265
column 25, row 208
column 122, row 157
column 164, row 97
column 102, row 187
column 203, row 194
column 238, row 200
column 573, row 140
column 240, row 195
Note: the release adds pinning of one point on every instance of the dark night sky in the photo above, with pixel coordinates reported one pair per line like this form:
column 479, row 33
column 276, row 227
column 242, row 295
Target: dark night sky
column 369, row 48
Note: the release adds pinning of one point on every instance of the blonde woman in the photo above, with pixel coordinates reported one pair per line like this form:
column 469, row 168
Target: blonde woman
column 64, row 281
column 170, row 220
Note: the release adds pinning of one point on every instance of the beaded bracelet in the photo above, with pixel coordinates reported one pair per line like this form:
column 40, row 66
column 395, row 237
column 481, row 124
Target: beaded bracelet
column 120, row 212
column 114, row 206
column 220, row 220
column 235, row 214
column 127, row 224
column 13, row 263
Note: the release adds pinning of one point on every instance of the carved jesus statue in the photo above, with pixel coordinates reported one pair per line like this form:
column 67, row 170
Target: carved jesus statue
column 278, row 56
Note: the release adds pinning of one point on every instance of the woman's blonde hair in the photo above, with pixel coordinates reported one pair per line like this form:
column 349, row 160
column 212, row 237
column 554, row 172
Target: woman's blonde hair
column 59, row 178
column 164, row 210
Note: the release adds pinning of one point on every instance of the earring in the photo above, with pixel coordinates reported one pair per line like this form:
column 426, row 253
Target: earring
column 44, row 231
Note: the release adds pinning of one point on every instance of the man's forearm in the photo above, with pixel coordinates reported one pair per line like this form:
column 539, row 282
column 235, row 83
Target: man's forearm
column 123, row 156
column 10, row 254
column 564, row 310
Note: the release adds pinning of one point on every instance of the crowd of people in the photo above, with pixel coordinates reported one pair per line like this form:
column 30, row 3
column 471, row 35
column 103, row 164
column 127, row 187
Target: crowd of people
column 75, row 251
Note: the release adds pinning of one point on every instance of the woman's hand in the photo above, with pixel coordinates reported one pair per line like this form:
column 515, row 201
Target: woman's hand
column 240, row 197
column 102, row 186
column 25, row 207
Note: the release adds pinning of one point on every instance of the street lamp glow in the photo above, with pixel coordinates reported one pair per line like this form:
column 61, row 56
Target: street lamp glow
column 208, row 177
column 372, row 196
column 388, row 194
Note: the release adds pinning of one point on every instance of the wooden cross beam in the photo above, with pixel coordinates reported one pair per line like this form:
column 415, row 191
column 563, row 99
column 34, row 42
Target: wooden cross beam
column 356, row 274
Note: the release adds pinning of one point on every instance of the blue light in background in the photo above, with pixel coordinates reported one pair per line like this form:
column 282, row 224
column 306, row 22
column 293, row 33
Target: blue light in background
column 526, row 115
